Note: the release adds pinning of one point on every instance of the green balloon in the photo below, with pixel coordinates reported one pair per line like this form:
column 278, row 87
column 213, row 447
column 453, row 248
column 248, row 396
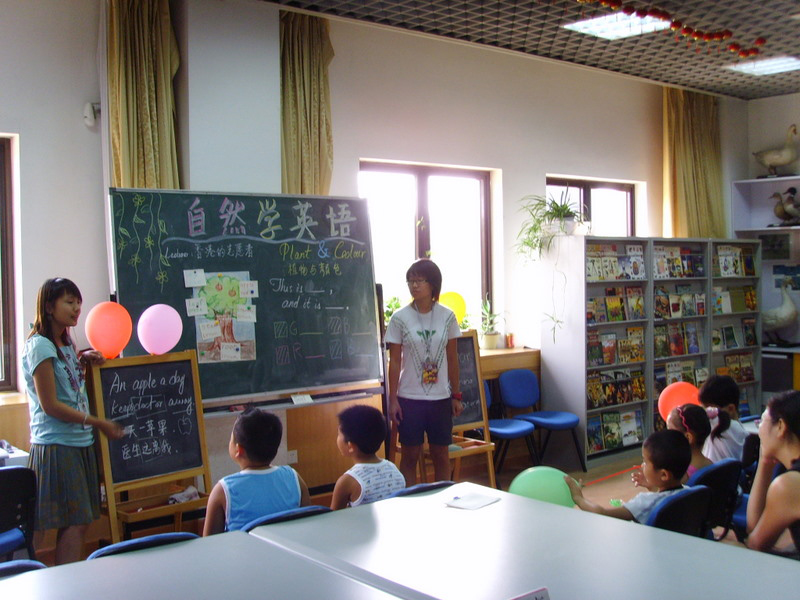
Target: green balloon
column 543, row 483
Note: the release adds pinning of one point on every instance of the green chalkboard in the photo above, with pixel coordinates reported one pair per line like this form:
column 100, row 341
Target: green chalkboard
column 471, row 383
column 276, row 292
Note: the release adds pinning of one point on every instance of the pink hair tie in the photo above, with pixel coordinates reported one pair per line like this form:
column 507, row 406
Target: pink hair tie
column 712, row 411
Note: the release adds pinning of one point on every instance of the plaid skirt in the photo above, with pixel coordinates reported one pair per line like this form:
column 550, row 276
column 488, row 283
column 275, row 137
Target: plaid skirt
column 67, row 485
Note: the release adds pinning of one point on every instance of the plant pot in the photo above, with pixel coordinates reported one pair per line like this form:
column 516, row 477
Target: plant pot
column 560, row 227
column 488, row 341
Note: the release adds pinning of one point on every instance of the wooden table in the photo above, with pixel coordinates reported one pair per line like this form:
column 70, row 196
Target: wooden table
column 517, row 545
column 494, row 362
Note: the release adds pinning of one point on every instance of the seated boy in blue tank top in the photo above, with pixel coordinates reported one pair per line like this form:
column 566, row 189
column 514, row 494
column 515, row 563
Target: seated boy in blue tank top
column 259, row 489
column 362, row 430
column 666, row 455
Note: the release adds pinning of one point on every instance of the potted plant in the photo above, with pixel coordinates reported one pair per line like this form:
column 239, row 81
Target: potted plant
column 488, row 337
column 392, row 305
column 546, row 218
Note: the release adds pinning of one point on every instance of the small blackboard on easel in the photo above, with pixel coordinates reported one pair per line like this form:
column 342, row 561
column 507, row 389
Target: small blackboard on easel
column 157, row 400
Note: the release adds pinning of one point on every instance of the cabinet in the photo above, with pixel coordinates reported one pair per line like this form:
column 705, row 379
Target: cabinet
column 630, row 315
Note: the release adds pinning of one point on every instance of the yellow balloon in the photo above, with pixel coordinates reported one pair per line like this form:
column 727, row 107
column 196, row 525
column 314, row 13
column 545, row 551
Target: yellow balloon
column 455, row 302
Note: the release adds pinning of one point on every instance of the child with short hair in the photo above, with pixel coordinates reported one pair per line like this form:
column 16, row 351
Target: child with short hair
column 362, row 430
column 692, row 421
column 665, row 456
column 720, row 396
column 259, row 489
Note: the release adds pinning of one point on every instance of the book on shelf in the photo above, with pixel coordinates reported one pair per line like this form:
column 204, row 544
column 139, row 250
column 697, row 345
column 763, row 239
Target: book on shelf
column 661, row 302
column 624, row 388
column 660, row 268
column 700, row 375
column 750, row 297
column 674, row 371
column 748, row 261
column 635, row 302
column 700, row 303
column 612, row 435
column 722, row 302
column 615, row 308
column 610, row 392
column 659, row 380
column 676, row 342
column 608, row 341
column 687, row 372
column 716, row 339
column 594, row 263
column 600, row 309
column 636, row 267
column 594, row 434
column 594, row 349
column 628, row 428
column 624, row 268
column 636, row 339
column 591, row 319
column 749, row 331
column 675, row 306
column 624, row 351
column 660, row 341
column 722, row 370
column 688, row 305
column 734, row 366
column 729, row 337
column 611, row 268
column 638, row 388
column 691, row 338
column 746, row 367
column 730, row 261
column 674, row 263
column 594, row 391
column 738, row 303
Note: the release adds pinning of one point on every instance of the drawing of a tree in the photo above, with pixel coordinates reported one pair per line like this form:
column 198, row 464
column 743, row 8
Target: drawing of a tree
column 221, row 293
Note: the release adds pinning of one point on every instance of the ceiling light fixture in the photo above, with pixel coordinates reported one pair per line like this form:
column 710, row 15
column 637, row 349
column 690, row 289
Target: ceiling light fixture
column 767, row 66
column 618, row 26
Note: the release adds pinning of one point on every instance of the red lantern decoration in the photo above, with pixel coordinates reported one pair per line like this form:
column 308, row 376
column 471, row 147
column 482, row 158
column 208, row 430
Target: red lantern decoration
column 641, row 13
column 727, row 34
column 675, row 25
column 614, row 4
column 743, row 54
column 734, row 47
column 687, row 31
column 628, row 9
column 697, row 35
column 753, row 51
column 707, row 37
column 760, row 41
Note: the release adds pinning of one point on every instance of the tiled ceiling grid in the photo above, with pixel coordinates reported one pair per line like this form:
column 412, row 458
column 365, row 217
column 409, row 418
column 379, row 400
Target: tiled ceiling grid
column 536, row 28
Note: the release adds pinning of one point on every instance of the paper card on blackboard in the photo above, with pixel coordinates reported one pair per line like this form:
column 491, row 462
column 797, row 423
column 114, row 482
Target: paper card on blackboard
column 246, row 312
column 210, row 330
column 248, row 289
column 302, row 399
column 196, row 307
column 230, row 351
column 194, row 277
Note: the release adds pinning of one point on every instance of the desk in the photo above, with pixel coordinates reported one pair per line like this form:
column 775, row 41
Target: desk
column 494, row 362
column 517, row 545
column 229, row 566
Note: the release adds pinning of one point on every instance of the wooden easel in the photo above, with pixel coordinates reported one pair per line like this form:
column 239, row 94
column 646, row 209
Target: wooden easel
column 474, row 417
column 157, row 399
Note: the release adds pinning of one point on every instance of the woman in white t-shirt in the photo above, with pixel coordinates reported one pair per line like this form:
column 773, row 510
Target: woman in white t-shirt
column 424, row 393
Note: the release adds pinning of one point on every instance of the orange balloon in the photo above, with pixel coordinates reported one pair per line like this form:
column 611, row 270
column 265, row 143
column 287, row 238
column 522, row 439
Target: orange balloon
column 677, row 394
column 108, row 328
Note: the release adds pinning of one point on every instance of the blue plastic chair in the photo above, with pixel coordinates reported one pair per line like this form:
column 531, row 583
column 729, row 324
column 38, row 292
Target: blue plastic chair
column 722, row 478
column 421, row 488
column 17, row 510
column 683, row 512
column 286, row 515
column 15, row 567
column 148, row 541
column 506, row 430
column 519, row 388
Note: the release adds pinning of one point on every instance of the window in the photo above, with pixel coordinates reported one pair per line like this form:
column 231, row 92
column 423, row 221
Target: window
column 441, row 213
column 8, row 372
column 607, row 205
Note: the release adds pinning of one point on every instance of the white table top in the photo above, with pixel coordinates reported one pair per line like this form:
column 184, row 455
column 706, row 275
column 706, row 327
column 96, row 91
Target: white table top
column 517, row 545
column 229, row 566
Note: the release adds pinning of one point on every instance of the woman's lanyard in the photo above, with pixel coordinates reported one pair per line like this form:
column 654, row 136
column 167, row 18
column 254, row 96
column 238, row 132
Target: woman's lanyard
column 430, row 368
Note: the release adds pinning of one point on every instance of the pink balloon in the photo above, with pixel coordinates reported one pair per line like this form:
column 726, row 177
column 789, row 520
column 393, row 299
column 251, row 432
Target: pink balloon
column 159, row 328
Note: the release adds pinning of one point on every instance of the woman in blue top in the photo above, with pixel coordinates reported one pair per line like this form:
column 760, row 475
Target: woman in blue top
column 424, row 392
column 61, row 426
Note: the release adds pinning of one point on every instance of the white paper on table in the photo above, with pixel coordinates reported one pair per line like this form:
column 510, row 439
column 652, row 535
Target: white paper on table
column 194, row 277
column 472, row 501
column 302, row 399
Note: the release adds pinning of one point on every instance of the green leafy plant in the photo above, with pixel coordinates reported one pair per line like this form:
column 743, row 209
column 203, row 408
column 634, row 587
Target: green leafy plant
column 392, row 305
column 489, row 319
column 546, row 218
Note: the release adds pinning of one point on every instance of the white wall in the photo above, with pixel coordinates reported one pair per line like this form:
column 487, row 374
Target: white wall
column 47, row 73
column 399, row 96
column 768, row 120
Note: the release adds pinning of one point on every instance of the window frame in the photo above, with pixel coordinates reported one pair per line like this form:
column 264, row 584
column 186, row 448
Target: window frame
column 587, row 185
column 421, row 174
column 8, row 374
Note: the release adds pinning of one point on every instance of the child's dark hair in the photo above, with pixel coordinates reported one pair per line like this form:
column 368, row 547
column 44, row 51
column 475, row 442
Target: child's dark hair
column 694, row 419
column 52, row 290
column 720, row 391
column 426, row 269
column 786, row 406
column 259, row 433
column 364, row 426
column 669, row 449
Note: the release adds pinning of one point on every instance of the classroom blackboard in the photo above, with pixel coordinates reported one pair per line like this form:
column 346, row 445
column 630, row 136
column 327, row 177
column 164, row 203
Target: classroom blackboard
column 155, row 400
column 471, row 384
column 276, row 292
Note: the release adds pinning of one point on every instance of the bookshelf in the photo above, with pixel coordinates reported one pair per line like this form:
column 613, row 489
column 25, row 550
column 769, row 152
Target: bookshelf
column 638, row 313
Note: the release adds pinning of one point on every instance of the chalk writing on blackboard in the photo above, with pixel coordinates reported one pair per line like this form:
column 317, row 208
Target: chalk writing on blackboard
column 470, row 383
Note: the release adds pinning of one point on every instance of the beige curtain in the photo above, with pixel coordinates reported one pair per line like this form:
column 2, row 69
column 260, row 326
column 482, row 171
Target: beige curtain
column 692, row 167
column 142, row 60
column 306, row 136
